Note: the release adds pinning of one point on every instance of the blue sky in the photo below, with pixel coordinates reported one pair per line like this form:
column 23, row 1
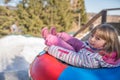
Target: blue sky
column 97, row 5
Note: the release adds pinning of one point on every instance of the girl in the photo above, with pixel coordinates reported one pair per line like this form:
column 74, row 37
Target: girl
column 101, row 49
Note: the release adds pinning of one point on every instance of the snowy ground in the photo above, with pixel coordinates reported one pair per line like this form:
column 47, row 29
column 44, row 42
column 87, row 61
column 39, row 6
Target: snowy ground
column 16, row 54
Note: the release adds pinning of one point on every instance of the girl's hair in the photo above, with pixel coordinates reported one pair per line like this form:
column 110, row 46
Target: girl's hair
column 108, row 33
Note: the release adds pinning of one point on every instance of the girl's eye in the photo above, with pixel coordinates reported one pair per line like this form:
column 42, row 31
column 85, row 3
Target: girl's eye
column 92, row 35
column 97, row 38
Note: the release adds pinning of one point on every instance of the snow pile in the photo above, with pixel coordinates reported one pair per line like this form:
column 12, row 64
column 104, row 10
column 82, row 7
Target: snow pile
column 17, row 51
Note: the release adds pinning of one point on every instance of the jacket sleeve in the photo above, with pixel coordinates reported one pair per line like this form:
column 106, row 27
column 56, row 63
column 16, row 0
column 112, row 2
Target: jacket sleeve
column 74, row 42
column 76, row 59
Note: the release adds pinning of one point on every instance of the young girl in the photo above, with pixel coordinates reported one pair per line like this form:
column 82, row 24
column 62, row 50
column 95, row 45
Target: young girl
column 101, row 49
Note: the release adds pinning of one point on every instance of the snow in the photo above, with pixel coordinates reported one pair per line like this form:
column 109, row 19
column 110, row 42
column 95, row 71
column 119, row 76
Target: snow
column 17, row 52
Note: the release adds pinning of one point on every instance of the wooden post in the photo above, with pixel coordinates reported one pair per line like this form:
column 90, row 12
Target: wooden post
column 104, row 15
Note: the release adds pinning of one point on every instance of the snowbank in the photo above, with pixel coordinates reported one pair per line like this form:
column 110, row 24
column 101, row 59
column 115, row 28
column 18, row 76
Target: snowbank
column 17, row 51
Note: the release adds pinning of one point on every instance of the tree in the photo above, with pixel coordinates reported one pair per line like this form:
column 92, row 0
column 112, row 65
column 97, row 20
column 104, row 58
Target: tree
column 60, row 14
column 29, row 16
column 82, row 12
column 5, row 20
column 79, row 11
column 32, row 15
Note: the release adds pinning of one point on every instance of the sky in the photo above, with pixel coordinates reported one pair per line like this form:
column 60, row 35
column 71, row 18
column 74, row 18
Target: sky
column 96, row 6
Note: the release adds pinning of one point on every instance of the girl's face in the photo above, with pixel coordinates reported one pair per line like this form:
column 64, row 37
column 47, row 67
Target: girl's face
column 96, row 42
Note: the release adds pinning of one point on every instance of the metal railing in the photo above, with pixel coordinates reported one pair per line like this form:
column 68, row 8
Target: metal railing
column 102, row 14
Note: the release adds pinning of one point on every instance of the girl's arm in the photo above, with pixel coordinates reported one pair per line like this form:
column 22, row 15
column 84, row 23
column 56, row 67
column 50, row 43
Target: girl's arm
column 73, row 58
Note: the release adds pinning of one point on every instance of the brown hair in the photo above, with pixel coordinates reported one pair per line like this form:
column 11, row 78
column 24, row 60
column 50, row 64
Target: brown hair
column 110, row 35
